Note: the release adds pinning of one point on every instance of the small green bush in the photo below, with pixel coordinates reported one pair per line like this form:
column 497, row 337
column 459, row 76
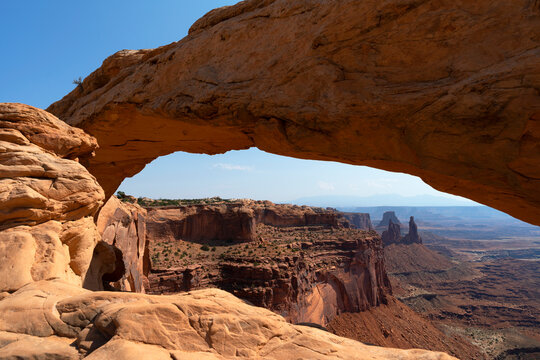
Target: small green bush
column 205, row 248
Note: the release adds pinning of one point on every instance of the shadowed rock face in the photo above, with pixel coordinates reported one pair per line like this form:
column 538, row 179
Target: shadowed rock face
column 392, row 235
column 359, row 220
column 123, row 225
column 444, row 90
column 412, row 237
column 389, row 216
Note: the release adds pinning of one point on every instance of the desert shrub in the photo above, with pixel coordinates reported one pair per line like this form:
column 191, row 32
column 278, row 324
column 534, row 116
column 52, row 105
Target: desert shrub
column 205, row 248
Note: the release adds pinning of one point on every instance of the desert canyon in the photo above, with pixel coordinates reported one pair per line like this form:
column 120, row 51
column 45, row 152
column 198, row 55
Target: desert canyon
column 448, row 91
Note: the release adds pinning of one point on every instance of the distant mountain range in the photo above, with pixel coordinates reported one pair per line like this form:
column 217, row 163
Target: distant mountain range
column 344, row 201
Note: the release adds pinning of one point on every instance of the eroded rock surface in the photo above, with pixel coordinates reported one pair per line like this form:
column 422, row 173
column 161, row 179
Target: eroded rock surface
column 444, row 90
column 50, row 247
column 53, row 319
column 233, row 221
column 387, row 217
column 40, row 176
column 412, row 236
column 392, row 235
column 359, row 220
column 123, row 226
column 302, row 262
column 47, row 199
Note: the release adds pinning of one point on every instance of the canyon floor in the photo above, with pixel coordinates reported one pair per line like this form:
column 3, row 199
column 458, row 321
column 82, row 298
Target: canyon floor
column 474, row 277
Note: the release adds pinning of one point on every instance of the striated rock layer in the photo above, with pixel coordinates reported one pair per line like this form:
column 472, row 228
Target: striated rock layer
column 359, row 220
column 304, row 263
column 63, row 321
column 233, row 221
column 444, row 90
column 47, row 200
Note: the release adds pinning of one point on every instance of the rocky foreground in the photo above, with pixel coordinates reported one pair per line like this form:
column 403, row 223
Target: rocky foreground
column 56, row 320
column 50, row 249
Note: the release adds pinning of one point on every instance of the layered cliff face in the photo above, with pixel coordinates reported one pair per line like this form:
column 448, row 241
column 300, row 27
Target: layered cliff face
column 47, row 200
column 328, row 277
column 202, row 222
column 233, row 221
column 359, row 220
column 443, row 90
column 387, row 217
column 305, row 263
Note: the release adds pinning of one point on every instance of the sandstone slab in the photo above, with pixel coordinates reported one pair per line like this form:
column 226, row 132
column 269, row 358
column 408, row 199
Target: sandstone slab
column 203, row 324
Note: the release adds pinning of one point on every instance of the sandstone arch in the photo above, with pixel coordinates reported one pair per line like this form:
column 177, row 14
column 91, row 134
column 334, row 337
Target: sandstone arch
column 445, row 90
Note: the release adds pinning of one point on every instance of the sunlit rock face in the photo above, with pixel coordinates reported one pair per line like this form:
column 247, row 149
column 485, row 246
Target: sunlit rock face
column 123, row 226
column 47, row 199
column 332, row 270
column 447, row 91
column 56, row 320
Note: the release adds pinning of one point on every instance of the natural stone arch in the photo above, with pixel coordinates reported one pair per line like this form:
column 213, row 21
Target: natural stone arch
column 445, row 90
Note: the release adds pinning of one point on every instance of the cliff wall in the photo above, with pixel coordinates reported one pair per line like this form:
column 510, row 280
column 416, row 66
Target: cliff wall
column 359, row 220
column 323, row 267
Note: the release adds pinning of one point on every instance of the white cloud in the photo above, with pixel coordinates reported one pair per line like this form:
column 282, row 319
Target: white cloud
column 326, row 186
column 232, row 167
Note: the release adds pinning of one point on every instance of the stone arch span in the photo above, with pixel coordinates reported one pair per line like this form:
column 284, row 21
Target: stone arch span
column 445, row 90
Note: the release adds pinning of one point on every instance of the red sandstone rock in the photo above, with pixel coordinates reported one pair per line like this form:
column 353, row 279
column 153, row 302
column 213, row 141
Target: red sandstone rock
column 55, row 320
column 55, row 238
column 359, row 220
column 341, row 270
column 412, row 237
column 203, row 222
column 443, row 90
column 39, row 179
column 392, row 235
column 42, row 184
column 387, row 217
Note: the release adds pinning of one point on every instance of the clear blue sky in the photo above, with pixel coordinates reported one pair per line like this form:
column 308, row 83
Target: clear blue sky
column 47, row 44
